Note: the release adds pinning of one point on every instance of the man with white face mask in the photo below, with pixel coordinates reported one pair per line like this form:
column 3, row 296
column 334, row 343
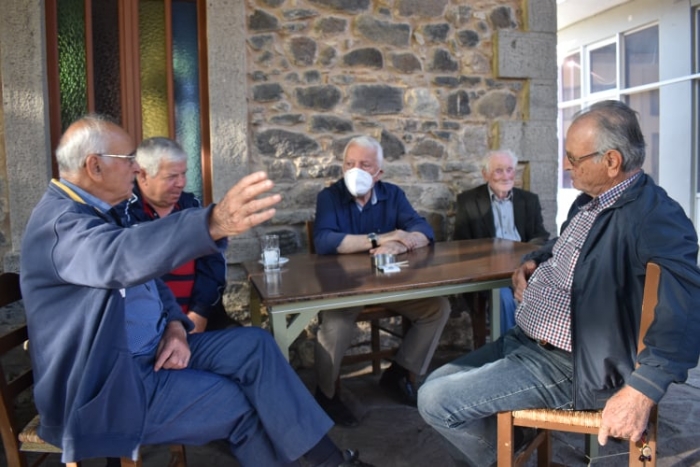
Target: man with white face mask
column 360, row 213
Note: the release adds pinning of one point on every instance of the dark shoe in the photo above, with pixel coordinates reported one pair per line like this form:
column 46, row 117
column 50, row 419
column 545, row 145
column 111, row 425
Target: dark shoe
column 113, row 462
column 351, row 458
column 395, row 380
column 335, row 409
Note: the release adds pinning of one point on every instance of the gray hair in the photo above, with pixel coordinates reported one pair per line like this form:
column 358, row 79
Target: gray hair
column 618, row 128
column 87, row 136
column 486, row 161
column 369, row 143
column 152, row 151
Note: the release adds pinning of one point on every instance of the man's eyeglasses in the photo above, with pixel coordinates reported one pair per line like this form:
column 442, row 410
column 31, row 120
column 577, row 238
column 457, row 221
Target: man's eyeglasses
column 577, row 160
column 129, row 157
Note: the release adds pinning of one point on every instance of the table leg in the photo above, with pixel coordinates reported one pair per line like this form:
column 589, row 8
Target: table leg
column 278, row 321
column 285, row 332
column 495, row 314
column 255, row 308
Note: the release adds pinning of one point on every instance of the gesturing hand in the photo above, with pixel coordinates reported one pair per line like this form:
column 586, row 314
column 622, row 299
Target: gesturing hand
column 241, row 209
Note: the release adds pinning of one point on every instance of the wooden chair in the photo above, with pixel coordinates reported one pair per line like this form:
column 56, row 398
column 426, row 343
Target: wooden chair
column 579, row 421
column 374, row 314
column 16, row 441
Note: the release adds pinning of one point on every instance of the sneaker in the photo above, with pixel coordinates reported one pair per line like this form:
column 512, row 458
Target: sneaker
column 395, row 380
column 335, row 409
column 351, row 458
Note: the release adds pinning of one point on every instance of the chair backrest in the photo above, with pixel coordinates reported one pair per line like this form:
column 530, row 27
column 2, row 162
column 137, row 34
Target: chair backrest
column 12, row 341
column 310, row 236
column 649, row 301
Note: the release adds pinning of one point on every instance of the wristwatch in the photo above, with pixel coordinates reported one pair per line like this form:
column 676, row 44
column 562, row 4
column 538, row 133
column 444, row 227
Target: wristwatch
column 372, row 237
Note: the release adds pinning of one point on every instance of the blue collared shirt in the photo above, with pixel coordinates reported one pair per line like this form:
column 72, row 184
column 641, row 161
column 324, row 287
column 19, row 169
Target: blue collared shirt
column 503, row 217
column 145, row 317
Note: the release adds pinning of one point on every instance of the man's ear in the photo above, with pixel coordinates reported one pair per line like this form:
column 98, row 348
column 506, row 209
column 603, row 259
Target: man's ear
column 93, row 167
column 613, row 160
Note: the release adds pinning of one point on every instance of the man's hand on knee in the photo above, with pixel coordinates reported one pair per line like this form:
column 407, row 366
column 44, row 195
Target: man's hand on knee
column 173, row 350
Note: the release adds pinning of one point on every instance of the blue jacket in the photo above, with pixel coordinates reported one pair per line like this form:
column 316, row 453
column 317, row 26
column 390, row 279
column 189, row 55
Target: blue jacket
column 75, row 263
column 643, row 225
column 337, row 215
column 210, row 270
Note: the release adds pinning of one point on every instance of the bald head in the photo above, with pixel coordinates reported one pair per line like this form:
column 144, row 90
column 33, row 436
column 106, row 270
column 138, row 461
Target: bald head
column 92, row 134
column 97, row 155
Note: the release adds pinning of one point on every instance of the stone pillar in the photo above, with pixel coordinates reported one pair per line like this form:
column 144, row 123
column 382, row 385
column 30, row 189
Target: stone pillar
column 25, row 109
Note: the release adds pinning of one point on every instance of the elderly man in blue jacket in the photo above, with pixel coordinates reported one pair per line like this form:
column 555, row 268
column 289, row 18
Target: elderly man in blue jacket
column 361, row 214
column 574, row 345
column 114, row 366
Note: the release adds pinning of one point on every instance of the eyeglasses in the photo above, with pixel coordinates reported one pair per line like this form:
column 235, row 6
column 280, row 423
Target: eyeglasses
column 577, row 160
column 131, row 158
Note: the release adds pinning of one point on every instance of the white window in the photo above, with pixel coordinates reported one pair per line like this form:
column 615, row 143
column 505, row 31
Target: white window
column 626, row 68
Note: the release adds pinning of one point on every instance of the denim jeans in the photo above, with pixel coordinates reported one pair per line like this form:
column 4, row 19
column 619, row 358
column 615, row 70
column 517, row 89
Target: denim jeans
column 461, row 398
column 508, row 307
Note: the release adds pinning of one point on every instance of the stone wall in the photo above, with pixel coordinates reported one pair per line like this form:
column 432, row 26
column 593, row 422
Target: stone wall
column 416, row 75
column 437, row 82
column 4, row 201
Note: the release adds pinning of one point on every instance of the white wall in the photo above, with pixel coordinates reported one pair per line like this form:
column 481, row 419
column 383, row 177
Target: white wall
column 676, row 157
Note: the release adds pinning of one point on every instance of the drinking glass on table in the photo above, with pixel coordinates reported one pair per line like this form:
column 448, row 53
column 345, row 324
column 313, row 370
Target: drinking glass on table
column 271, row 252
column 273, row 282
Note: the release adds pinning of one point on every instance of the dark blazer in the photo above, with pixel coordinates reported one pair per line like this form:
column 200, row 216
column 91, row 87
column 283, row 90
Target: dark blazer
column 475, row 217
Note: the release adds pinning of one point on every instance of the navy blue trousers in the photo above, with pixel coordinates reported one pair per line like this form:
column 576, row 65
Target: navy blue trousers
column 237, row 387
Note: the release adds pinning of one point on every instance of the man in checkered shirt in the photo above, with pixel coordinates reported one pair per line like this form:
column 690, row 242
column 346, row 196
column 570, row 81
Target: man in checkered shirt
column 574, row 346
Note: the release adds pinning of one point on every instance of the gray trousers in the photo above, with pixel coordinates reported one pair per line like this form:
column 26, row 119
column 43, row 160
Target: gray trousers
column 428, row 317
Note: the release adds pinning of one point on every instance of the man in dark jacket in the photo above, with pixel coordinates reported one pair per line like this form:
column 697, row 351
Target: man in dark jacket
column 114, row 366
column 519, row 213
column 497, row 209
column 574, row 345
column 159, row 191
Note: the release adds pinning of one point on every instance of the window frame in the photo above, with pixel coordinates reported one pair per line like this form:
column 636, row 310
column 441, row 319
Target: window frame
column 130, row 77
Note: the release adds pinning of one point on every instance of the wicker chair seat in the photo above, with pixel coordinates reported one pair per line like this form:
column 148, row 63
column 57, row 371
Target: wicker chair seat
column 32, row 442
column 584, row 418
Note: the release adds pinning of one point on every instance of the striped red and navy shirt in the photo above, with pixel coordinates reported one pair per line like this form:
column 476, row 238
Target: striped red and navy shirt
column 180, row 281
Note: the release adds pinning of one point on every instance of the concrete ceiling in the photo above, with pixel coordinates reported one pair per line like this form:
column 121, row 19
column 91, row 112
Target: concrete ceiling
column 573, row 11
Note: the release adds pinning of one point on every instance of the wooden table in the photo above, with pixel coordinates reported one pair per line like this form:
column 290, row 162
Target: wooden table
column 310, row 283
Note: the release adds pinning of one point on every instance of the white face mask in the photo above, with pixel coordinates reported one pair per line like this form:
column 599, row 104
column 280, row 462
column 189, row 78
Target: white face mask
column 358, row 182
